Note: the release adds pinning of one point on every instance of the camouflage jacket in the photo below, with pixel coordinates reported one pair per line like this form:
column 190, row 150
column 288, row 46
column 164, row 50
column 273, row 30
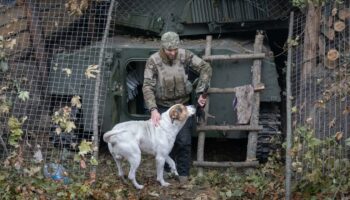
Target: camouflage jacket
column 166, row 82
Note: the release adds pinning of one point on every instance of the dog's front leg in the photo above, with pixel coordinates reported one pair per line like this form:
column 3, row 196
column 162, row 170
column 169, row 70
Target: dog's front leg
column 160, row 170
column 172, row 165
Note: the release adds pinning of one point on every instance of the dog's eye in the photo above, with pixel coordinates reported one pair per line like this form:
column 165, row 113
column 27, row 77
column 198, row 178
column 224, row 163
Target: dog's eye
column 179, row 109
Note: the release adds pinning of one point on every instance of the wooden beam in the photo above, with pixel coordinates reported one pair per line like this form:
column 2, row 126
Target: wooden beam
column 226, row 164
column 234, row 57
column 256, row 81
column 221, row 90
column 229, row 128
column 201, row 135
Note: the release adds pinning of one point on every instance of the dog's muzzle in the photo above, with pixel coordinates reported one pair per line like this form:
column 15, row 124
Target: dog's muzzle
column 191, row 109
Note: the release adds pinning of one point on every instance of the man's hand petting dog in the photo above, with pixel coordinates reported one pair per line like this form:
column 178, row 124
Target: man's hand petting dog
column 128, row 139
column 155, row 117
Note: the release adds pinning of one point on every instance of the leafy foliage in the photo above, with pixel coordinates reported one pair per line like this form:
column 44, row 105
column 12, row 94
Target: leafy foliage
column 63, row 119
column 23, row 95
column 5, row 105
column 84, row 149
column 319, row 164
column 76, row 101
column 303, row 3
column 16, row 131
column 91, row 71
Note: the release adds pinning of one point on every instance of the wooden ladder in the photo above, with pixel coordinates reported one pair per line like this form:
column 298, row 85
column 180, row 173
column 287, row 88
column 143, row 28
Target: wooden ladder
column 253, row 127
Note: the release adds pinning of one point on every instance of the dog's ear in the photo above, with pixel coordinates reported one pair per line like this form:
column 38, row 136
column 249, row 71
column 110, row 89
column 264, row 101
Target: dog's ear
column 175, row 113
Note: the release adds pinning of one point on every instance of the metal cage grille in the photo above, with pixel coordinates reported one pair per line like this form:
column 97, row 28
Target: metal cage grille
column 49, row 68
column 320, row 89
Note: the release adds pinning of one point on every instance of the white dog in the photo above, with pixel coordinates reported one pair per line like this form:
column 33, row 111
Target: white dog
column 128, row 139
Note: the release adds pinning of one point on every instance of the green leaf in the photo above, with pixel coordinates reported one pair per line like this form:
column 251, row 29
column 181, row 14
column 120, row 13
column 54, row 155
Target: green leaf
column 347, row 142
column 4, row 108
column 237, row 193
column 93, row 161
column 229, row 194
column 69, row 126
column 14, row 123
column 85, row 147
column 4, row 66
column 76, row 158
column 23, row 95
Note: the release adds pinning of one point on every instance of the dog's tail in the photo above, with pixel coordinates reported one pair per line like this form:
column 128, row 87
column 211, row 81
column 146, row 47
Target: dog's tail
column 107, row 136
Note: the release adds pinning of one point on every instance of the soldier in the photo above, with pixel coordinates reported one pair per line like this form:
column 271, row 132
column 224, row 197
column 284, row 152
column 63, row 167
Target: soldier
column 166, row 83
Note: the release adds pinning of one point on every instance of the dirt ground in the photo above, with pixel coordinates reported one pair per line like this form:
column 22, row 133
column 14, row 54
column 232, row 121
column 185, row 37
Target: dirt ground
column 146, row 175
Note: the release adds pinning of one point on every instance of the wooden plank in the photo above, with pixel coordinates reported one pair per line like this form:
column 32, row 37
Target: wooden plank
column 256, row 80
column 221, row 90
column 234, row 57
column 201, row 135
column 259, row 87
column 229, row 128
column 226, row 164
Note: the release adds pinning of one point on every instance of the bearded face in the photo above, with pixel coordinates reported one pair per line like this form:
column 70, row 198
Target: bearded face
column 171, row 53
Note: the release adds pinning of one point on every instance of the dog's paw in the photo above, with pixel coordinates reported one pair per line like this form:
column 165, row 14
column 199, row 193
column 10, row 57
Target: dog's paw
column 165, row 184
column 140, row 187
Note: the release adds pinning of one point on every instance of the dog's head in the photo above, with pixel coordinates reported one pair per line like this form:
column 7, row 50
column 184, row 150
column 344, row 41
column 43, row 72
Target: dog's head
column 181, row 112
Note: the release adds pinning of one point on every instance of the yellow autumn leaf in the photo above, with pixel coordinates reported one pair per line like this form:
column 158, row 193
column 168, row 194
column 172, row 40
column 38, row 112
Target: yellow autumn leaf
column 23, row 95
column 58, row 130
column 85, row 147
column 331, row 123
column 75, row 101
column 67, row 71
column 91, row 71
column 346, row 111
column 69, row 126
column 309, row 120
column 320, row 104
column 4, row 109
column 338, row 136
column 10, row 44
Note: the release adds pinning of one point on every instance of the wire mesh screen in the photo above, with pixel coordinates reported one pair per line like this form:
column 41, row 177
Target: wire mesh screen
column 49, row 54
column 320, row 88
column 159, row 15
column 142, row 8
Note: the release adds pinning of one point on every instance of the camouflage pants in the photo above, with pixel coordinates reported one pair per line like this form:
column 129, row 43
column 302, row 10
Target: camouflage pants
column 181, row 152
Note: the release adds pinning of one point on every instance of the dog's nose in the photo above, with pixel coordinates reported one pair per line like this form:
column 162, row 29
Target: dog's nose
column 191, row 109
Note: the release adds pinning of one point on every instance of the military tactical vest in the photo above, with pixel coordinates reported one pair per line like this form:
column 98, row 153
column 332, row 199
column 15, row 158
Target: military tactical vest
column 172, row 80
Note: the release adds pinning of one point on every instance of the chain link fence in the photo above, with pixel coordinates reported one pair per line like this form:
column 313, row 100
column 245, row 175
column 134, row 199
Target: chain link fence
column 320, row 104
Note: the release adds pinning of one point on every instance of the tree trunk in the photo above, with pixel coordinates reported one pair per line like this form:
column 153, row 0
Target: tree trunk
column 312, row 30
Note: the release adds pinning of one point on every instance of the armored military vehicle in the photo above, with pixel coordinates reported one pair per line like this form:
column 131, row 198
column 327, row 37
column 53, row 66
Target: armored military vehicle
column 233, row 25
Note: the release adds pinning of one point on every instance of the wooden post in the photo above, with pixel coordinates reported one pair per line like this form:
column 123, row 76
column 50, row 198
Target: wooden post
column 312, row 29
column 37, row 38
column 201, row 135
column 254, row 120
column 234, row 56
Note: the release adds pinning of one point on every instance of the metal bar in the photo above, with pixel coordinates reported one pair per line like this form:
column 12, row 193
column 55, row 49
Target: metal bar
column 98, row 84
column 226, row 164
column 229, row 128
column 289, row 121
column 235, row 57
